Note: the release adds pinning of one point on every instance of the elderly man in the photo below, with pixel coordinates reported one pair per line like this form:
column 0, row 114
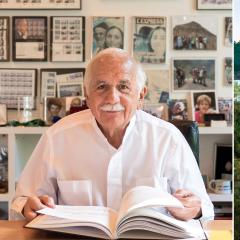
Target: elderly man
column 93, row 157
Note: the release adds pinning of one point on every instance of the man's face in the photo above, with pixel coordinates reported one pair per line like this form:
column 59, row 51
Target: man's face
column 99, row 35
column 22, row 26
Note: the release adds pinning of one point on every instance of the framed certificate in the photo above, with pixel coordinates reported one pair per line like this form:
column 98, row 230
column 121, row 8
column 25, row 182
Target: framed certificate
column 4, row 39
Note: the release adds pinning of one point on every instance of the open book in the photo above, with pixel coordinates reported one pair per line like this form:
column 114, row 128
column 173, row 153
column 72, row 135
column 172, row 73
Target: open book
column 140, row 216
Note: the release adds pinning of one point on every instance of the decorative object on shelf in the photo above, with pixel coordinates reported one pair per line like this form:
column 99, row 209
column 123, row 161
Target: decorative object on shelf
column 228, row 38
column 193, row 74
column 32, row 123
column 149, row 39
column 214, row 4
column 177, row 109
column 3, row 114
column 40, row 4
column 220, row 186
column 4, row 39
column 225, row 107
column 227, row 80
column 29, row 38
column 214, row 120
column 25, row 108
column 68, row 39
column 107, row 32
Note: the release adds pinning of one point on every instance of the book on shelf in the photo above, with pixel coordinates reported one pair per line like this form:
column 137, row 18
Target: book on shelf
column 141, row 215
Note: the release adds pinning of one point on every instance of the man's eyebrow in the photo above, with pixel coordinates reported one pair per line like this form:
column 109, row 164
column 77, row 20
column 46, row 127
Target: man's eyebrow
column 125, row 82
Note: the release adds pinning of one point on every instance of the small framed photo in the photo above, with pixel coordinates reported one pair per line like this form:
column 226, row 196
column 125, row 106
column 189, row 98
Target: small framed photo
column 228, row 38
column 223, row 161
column 107, row 32
column 159, row 110
column 4, row 39
column 193, row 74
column 149, row 39
column 177, row 109
column 194, row 33
column 70, row 89
column 227, row 72
column 75, row 104
column 203, row 103
column 225, row 107
column 29, row 38
column 214, row 4
column 67, row 39
column 3, row 114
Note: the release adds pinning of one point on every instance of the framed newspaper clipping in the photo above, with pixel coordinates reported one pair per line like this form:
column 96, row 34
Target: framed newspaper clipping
column 149, row 39
column 15, row 84
column 29, row 38
column 107, row 32
column 67, row 39
column 40, row 4
column 214, row 4
column 4, row 39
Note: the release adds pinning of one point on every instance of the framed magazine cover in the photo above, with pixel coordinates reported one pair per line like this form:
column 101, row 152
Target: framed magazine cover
column 29, row 38
column 214, row 4
column 40, row 4
column 4, row 39
column 67, row 39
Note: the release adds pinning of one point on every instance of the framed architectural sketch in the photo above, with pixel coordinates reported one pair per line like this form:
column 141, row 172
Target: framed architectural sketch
column 193, row 74
column 214, row 4
column 40, row 4
column 178, row 109
column 29, row 38
column 67, row 39
column 4, row 39
column 227, row 72
column 149, row 39
column 16, row 83
column 107, row 32
column 228, row 32
column 194, row 32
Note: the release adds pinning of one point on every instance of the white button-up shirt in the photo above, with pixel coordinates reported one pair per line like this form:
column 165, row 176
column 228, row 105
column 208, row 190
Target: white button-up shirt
column 75, row 164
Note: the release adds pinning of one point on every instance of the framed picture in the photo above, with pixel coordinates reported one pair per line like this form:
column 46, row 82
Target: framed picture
column 228, row 32
column 67, row 39
column 214, row 4
column 193, row 74
column 177, row 109
column 159, row 110
column 3, row 114
column 15, row 84
column 225, row 107
column 227, row 81
column 194, row 33
column 223, row 161
column 29, row 38
column 149, row 39
column 107, row 32
column 70, row 89
column 40, row 4
column 203, row 103
column 4, row 39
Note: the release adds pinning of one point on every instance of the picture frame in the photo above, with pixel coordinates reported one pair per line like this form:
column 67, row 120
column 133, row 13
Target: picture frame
column 214, row 4
column 3, row 114
column 70, row 89
column 193, row 74
column 227, row 79
column 223, row 161
column 225, row 106
column 41, row 5
column 107, row 32
column 29, row 38
column 15, row 84
column 4, row 39
column 159, row 110
column 67, row 39
column 149, row 39
column 178, row 109
column 194, row 33
column 228, row 34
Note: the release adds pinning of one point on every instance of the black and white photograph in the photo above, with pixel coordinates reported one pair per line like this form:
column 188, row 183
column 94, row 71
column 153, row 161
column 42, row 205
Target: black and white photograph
column 67, row 39
column 107, row 32
column 4, row 39
column 177, row 109
column 41, row 4
column 214, row 4
column 228, row 38
column 193, row 74
column 29, row 38
column 149, row 39
column 3, row 114
column 227, row 72
column 225, row 106
column 69, row 89
column 15, row 84
column 194, row 32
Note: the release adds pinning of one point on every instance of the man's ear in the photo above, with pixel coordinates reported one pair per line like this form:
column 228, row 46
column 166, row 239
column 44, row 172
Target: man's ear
column 86, row 96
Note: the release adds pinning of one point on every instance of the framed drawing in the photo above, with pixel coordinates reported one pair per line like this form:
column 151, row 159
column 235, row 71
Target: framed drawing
column 194, row 33
column 40, row 4
column 107, row 32
column 4, row 39
column 149, row 39
column 29, row 38
column 177, row 109
column 193, row 74
column 227, row 81
column 67, row 39
column 214, row 4
column 3, row 114
column 228, row 32
column 15, row 84
column 225, row 106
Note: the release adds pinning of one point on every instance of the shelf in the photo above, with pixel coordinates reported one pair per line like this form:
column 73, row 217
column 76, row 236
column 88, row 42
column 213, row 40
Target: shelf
column 220, row 197
column 22, row 130
column 4, row 197
column 215, row 130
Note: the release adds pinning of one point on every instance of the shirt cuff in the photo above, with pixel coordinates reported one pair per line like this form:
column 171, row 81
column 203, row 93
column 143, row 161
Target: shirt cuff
column 16, row 209
column 207, row 211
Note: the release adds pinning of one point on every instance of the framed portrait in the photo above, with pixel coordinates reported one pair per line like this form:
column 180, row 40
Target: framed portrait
column 223, row 161
column 228, row 38
column 194, row 33
column 159, row 110
column 4, row 39
column 149, row 39
column 227, row 80
column 225, row 107
column 107, row 32
column 69, row 89
column 67, row 39
column 3, row 114
column 41, row 4
column 15, row 84
column 177, row 109
column 193, row 74
column 29, row 38
column 214, row 4
column 203, row 103
column 50, row 77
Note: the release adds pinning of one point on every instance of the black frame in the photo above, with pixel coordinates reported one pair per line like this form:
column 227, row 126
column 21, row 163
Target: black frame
column 7, row 39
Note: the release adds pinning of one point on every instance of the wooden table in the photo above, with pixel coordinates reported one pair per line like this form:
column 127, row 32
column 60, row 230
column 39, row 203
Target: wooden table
column 13, row 230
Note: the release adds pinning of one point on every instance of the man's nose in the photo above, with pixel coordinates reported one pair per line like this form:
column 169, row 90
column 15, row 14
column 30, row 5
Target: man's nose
column 113, row 95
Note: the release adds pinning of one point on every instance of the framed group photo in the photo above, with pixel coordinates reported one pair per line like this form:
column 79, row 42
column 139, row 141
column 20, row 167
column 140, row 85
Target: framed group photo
column 214, row 4
column 4, row 39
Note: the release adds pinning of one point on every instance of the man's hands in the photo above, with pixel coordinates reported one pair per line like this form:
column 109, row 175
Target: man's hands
column 191, row 203
column 36, row 203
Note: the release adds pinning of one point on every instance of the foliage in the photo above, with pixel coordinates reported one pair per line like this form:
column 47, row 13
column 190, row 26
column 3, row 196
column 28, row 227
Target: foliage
column 236, row 60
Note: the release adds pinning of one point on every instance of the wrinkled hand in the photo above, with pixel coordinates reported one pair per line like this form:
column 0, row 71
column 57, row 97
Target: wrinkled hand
column 191, row 203
column 36, row 203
